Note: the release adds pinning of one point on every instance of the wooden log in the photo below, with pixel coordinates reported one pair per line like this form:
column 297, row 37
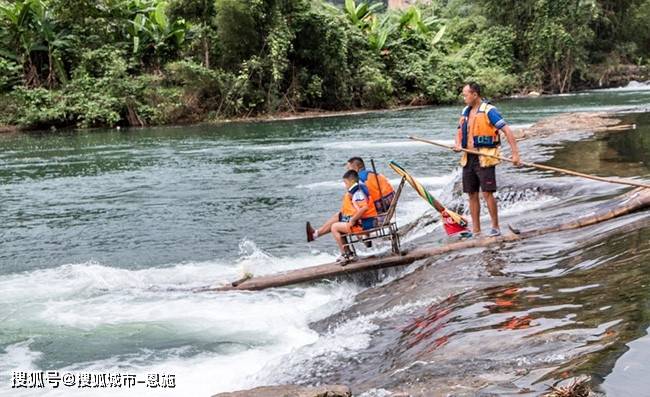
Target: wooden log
column 632, row 201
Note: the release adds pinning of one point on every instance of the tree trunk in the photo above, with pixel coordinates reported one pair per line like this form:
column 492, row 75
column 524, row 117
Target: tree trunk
column 206, row 52
column 132, row 116
column 30, row 74
column 51, row 78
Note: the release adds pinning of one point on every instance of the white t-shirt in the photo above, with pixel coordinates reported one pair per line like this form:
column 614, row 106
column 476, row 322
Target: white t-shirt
column 359, row 199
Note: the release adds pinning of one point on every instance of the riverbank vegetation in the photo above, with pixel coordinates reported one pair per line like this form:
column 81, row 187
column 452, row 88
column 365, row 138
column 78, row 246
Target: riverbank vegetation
column 90, row 63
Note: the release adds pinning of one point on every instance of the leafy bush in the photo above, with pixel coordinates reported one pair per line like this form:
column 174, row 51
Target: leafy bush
column 108, row 98
column 155, row 37
column 410, row 69
column 209, row 90
column 375, row 88
column 9, row 74
column 237, row 31
column 324, row 50
column 193, row 76
column 497, row 82
column 37, row 107
column 106, row 61
column 451, row 72
column 493, row 47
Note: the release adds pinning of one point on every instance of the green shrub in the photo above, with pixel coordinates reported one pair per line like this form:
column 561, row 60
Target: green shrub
column 493, row 47
column 238, row 32
column 375, row 88
column 451, row 72
column 38, row 107
column 10, row 74
column 410, row 71
column 194, row 76
column 495, row 81
column 87, row 102
column 324, row 49
column 106, row 61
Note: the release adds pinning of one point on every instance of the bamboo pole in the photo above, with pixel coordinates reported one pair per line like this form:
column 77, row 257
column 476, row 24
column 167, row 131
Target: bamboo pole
column 540, row 166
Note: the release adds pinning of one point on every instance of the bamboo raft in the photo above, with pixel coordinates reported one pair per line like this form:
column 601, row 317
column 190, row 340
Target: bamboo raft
column 632, row 201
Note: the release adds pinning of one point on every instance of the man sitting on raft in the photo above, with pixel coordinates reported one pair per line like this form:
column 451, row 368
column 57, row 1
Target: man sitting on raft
column 357, row 214
column 380, row 189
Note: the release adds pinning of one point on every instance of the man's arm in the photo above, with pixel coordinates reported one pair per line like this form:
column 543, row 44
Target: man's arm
column 500, row 123
column 357, row 215
column 458, row 145
column 513, row 144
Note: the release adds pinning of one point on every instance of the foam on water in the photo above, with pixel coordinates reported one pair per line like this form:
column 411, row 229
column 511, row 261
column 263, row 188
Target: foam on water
column 322, row 185
column 338, row 343
column 631, row 86
column 20, row 356
column 428, row 181
column 91, row 297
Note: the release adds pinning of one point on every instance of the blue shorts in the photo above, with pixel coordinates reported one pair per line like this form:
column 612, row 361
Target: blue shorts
column 366, row 223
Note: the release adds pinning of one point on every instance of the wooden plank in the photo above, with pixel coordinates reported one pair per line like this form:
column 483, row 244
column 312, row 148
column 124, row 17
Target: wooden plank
column 393, row 206
column 632, row 201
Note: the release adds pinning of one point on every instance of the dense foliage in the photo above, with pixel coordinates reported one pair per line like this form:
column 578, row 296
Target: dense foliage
column 136, row 62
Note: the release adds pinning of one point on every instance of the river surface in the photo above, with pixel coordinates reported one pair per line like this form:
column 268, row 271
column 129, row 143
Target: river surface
column 105, row 233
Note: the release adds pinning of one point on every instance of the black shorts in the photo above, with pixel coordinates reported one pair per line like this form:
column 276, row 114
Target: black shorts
column 475, row 177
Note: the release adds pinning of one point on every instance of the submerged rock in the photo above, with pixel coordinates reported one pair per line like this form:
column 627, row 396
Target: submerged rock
column 573, row 122
column 291, row 391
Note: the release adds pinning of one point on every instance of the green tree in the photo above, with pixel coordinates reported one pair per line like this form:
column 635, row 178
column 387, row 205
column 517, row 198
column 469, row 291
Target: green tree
column 552, row 37
column 155, row 37
column 201, row 17
column 378, row 32
column 557, row 41
column 360, row 14
column 32, row 36
column 238, row 32
column 320, row 66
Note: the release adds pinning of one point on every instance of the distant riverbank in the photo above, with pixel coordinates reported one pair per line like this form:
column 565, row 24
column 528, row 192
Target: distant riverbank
column 315, row 114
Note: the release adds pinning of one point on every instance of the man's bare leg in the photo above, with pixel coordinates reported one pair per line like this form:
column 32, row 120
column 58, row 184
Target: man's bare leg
column 475, row 211
column 492, row 208
column 327, row 226
column 338, row 230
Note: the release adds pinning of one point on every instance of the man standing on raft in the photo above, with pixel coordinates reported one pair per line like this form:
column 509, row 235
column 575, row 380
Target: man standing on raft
column 478, row 129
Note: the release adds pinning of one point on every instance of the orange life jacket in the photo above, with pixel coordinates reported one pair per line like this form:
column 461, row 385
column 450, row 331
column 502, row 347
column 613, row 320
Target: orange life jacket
column 347, row 206
column 381, row 193
column 483, row 133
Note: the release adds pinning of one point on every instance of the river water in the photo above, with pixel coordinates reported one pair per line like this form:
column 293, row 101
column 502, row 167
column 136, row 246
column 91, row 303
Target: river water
column 105, row 233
